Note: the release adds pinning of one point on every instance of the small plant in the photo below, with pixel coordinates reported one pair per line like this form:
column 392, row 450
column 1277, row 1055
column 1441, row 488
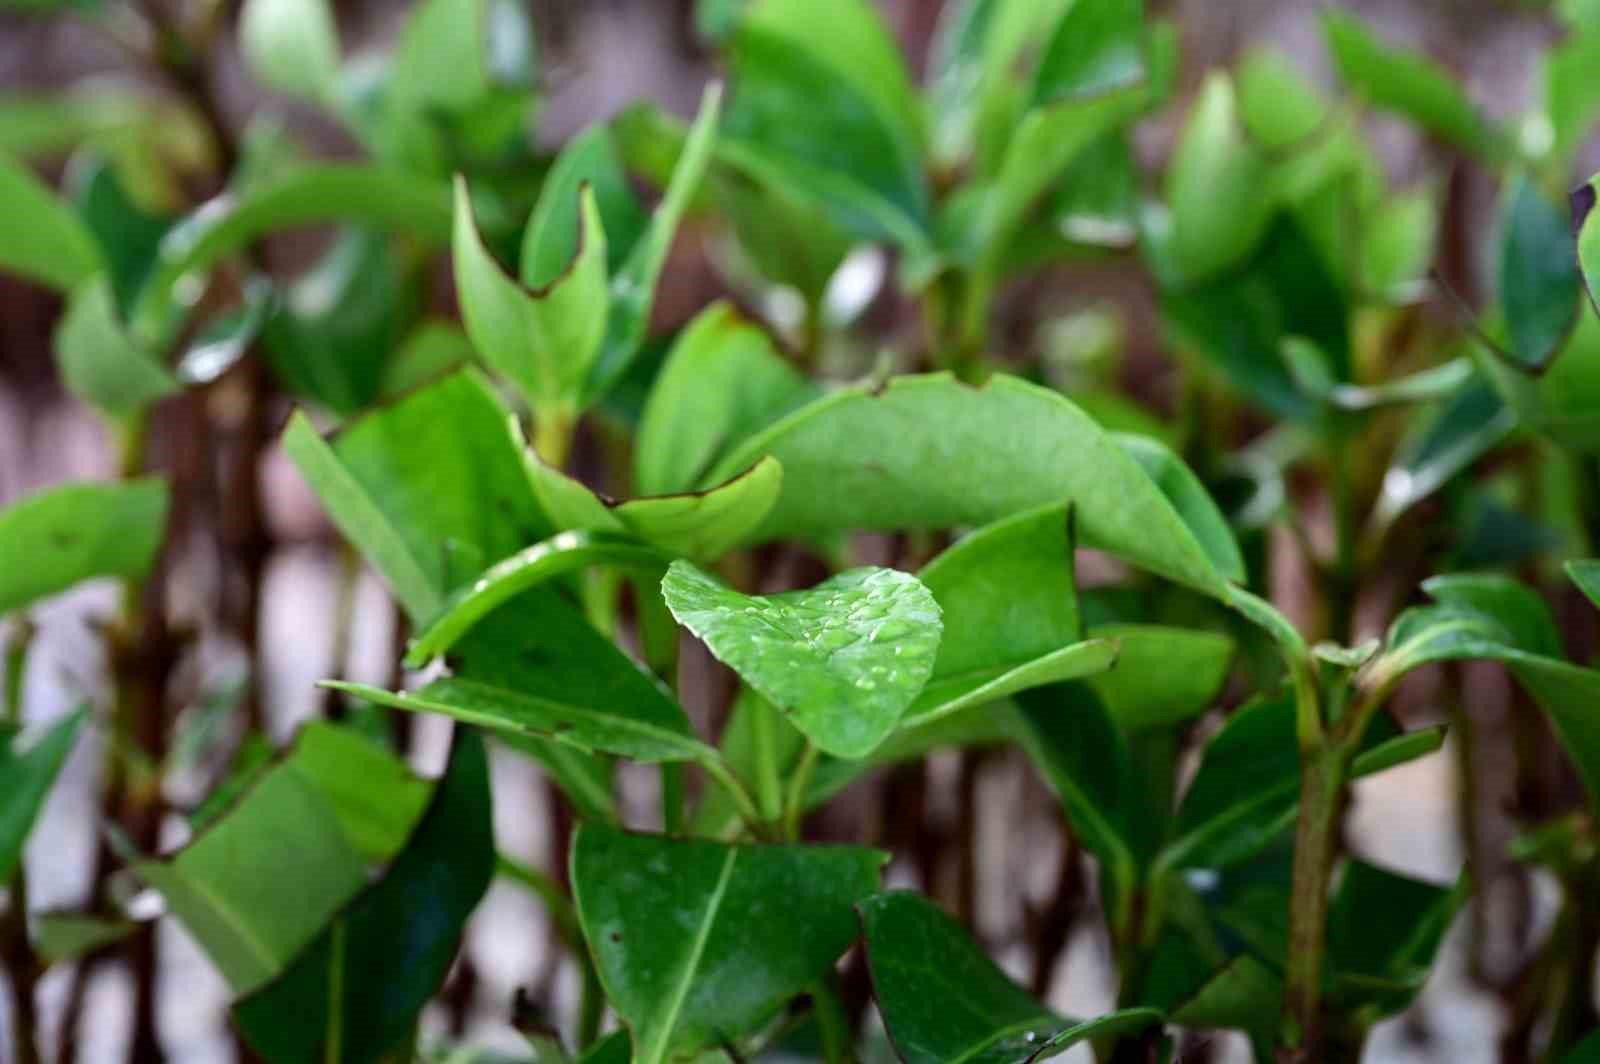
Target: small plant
column 1195, row 617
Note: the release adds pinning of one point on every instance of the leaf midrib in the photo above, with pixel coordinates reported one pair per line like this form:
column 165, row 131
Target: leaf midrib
column 669, row 1019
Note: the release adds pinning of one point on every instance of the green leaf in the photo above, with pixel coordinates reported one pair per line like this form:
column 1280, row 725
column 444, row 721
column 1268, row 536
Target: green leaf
column 534, row 666
column 1188, row 498
column 859, row 459
column 551, row 240
column 101, row 361
column 1441, row 444
column 26, row 777
column 59, row 537
column 1586, row 224
column 563, row 553
column 843, row 659
column 331, row 337
column 453, row 54
column 722, row 381
column 1010, row 616
column 333, row 806
column 432, row 488
column 947, row 695
column 1240, row 320
column 129, row 233
column 698, row 942
column 1246, row 790
column 334, row 192
column 704, row 524
column 1097, row 47
column 1384, row 930
column 1085, row 759
column 355, row 993
column 1245, row 995
column 1219, row 187
column 1586, row 575
column 45, row 241
column 945, row 1002
column 291, row 45
column 546, row 342
column 1538, row 275
column 633, row 285
column 1163, row 675
column 67, row 936
column 1409, row 84
column 822, row 102
column 1006, row 592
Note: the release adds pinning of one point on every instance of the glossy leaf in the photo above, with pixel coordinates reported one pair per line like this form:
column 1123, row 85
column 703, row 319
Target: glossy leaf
column 563, row 553
column 336, row 804
column 45, row 241
column 704, row 524
column 355, row 993
column 432, row 488
column 26, row 776
column 545, row 342
column 1468, row 425
column 697, row 942
column 723, row 380
column 1538, row 275
column 535, row 667
column 944, row 1001
column 1399, row 80
column 858, row 459
column 844, row 659
column 291, row 45
column 1097, row 47
column 62, row 536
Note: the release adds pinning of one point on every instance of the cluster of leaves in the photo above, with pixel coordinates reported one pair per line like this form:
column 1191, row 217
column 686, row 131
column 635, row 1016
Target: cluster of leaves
column 329, row 884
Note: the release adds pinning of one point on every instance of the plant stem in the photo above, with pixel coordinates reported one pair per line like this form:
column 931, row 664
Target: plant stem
column 1315, row 850
column 717, row 769
column 798, row 783
column 827, row 1004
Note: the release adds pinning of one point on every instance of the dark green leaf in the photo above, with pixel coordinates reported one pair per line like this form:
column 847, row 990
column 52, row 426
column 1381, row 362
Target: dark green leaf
column 822, row 102
column 1538, row 275
column 534, row 666
column 563, row 553
column 1586, row 574
column 332, row 335
column 1384, row 930
column 843, row 659
column 1097, row 47
column 945, row 1002
column 1586, row 224
column 25, row 780
column 698, row 942
column 550, row 241
column 342, row 192
column 59, row 537
column 354, row 994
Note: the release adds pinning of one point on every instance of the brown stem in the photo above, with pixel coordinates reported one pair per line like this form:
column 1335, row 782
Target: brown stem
column 1322, row 796
column 23, row 969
